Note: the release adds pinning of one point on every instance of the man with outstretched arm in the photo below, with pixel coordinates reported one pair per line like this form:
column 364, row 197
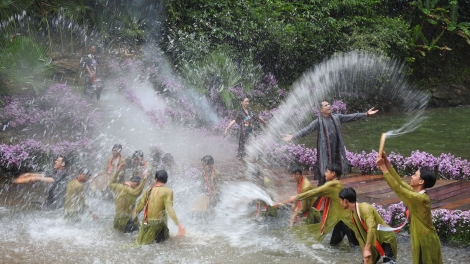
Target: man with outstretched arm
column 333, row 216
column 330, row 143
column 56, row 193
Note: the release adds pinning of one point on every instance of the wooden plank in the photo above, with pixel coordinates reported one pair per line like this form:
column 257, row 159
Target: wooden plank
column 361, row 178
column 455, row 205
column 450, row 191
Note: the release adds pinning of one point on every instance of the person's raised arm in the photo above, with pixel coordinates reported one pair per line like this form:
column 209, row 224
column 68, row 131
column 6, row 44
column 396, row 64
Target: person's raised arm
column 138, row 190
column 113, row 182
column 390, row 172
column 229, row 126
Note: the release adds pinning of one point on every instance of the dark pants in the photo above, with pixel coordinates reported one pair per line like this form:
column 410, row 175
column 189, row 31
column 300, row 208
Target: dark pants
column 339, row 231
column 163, row 235
column 389, row 257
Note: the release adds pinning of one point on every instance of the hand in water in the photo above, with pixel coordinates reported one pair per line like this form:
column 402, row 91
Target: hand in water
column 181, row 231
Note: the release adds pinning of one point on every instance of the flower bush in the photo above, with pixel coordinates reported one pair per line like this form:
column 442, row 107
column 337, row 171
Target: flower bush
column 65, row 120
column 446, row 166
column 451, row 225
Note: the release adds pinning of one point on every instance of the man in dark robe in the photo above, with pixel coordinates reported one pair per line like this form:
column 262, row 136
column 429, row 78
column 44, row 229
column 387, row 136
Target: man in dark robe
column 330, row 143
column 58, row 178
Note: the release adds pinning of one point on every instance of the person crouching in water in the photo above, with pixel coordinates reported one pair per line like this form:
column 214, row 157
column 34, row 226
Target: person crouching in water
column 126, row 194
column 75, row 206
column 303, row 211
column 374, row 243
column 157, row 203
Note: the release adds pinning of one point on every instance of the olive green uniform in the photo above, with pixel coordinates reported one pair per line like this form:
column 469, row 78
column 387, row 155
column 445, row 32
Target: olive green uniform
column 312, row 233
column 74, row 200
column 425, row 243
column 160, row 205
column 371, row 219
column 124, row 201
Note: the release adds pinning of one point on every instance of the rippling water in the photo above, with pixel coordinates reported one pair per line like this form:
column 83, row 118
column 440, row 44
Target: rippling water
column 229, row 235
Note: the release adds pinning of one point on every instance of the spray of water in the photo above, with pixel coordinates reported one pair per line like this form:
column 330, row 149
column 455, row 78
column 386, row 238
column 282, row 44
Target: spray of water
column 361, row 77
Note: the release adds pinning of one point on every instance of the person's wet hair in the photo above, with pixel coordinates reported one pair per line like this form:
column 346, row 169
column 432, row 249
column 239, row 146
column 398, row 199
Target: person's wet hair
column 168, row 158
column 138, row 154
column 135, row 179
column 117, row 147
column 293, row 169
column 348, row 194
column 208, row 160
column 428, row 176
column 336, row 168
column 64, row 160
column 161, row 176
column 85, row 171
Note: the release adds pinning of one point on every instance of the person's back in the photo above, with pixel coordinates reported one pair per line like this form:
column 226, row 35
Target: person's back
column 74, row 199
column 157, row 203
column 160, row 199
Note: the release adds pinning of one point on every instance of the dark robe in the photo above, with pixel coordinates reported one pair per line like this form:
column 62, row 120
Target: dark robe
column 56, row 193
column 330, row 143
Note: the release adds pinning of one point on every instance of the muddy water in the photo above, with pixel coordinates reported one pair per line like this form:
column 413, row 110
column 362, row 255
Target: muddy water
column 229, row 235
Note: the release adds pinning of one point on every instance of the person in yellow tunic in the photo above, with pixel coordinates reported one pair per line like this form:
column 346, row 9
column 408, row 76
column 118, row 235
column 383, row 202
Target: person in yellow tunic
column 139, row 165
column 157, row 203
column 114, row 162
column 74, row 206
column 100, row 183
column 303, row 211
column 126, row 194
column 333, row 216
column 262, row 208
column 425, row 243
column 374, row 244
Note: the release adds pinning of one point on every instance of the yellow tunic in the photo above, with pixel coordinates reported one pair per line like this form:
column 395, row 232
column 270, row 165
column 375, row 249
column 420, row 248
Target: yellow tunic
column 124, row 201
column 74, row 200
column 263, row 209
column 371, row 219
column 114, row 166
column 160, row 206
column 425, row 243
column 306, row 209
column 312, row 233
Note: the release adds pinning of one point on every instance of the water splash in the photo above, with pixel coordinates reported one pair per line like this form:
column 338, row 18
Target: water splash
column 361, row 77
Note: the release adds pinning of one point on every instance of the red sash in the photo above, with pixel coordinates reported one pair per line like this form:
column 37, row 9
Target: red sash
column 378, row 247
column 258, row 207
column 110, row 164
column 148, row 199
column 325, row 204
column 299, row 191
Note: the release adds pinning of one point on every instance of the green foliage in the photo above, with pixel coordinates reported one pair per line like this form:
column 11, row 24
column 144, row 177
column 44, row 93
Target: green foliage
column 219, row 72
column 286, row 37
column 25, row 63
column 433, row 22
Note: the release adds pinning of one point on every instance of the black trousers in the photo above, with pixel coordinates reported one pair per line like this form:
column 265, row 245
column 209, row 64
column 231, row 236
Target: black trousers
column 339, row 231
